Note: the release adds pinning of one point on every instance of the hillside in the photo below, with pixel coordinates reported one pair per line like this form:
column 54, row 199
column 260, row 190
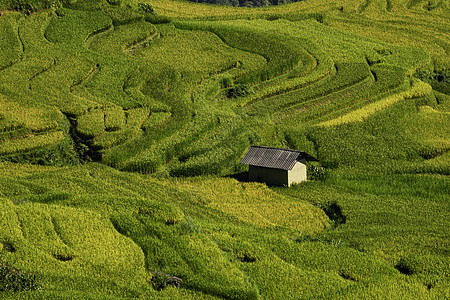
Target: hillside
column 122, row 124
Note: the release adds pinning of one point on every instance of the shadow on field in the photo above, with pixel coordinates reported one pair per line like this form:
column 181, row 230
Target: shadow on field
column 334, row 212
column 241, row 177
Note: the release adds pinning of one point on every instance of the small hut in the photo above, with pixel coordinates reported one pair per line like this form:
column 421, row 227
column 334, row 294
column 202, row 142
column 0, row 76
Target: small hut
column 276, row 166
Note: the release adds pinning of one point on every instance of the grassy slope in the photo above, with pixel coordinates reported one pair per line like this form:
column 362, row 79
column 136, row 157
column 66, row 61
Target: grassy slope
column 115, row 88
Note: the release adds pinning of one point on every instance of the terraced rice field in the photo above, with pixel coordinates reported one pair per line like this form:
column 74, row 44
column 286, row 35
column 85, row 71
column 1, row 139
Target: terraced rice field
column 121, row 134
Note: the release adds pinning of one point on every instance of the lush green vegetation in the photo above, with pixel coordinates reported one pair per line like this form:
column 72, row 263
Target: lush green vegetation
column 122, row 124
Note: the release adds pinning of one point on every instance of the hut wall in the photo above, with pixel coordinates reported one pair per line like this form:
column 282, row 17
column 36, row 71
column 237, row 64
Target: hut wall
column 297, row 174
column 268, row 175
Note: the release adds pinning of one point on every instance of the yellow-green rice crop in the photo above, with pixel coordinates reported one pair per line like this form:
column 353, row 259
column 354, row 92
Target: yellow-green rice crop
column 10, row 46
column 121, row 39
column 418, row 89
column 30, row 142
column 36, row 118
column 103, row 81
column 114, row 119
column 91, row 124
column 256, row 204
column 133, row 119
column 156, row 119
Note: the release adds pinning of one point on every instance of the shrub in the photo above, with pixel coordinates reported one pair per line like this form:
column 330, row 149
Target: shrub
column 147, row 8
column 160, row 280
column 334, row 212
column 23, row 6
column 114, row 2
column 13, row 279
column 315, row 171
column 226, row 82
column 239, row 90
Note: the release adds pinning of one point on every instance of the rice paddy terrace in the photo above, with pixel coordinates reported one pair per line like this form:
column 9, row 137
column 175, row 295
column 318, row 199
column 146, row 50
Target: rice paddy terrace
column 122, row 125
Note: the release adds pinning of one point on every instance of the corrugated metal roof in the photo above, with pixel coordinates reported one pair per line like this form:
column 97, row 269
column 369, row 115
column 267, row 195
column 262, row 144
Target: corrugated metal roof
column 275, row 158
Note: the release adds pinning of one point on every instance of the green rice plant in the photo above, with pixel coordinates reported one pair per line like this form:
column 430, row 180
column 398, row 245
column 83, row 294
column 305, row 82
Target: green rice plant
column 8, row 126
column 88, row 24
column 174, row 8
column 63, row 90
column 156, row 119
column 315, row 65
column 192, row 257
column 390, row 134
column 305, row 72
column 388, row 80
column 155, row 156
column 114, row 119
column 215, row 152
column 131, row 148
column 161, row 280
column 282, row 278
column 90, row 231
column 209, row 88
column 30, row 142
column 426, row 118
column 137, row 117
column 11, row 132
column 257, row 201
column 170, row 141
column 91, row 124
column 178, row 115
column 169, row 214
column 418, row 89
column 37, row 78
column 108, row 140
column 99, row 85
column 427, row 264
column 339, row 261
column 61, row 153
column 134, row 118
column 239, row 90
column 309, row 110
column 348, row 74
column 280, row 54
column 213, row 161
column 147, row 8
column 203, row 53
column 58, row 244
column 145, row 100
column 121, row 15
column 38, row 119
column 117, row 41
column 10, row 46
column 402, row 33
column 30, row 6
